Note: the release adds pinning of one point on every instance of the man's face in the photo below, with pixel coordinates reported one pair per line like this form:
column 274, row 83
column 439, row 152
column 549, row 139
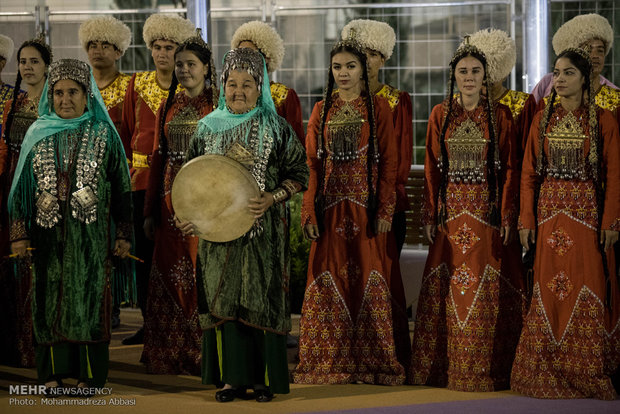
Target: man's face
column 102, row 55
column 597, row 54
column 163, row 54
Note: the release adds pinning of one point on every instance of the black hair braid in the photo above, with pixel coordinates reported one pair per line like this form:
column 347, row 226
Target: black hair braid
column 163, row 141
column 319, row 197
column 11, row 114
column 327, row 103
column 495, row 188
column 443, row 165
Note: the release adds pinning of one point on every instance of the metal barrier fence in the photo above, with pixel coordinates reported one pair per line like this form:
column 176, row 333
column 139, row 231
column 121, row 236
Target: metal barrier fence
column 427, row 35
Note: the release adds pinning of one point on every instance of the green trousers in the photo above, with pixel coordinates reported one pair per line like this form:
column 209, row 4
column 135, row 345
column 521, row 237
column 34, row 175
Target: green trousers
column 241, row 356
column 86, row 363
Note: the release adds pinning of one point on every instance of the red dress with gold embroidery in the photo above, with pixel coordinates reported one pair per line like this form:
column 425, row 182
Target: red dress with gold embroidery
column 346, row 324
column 172, row 334
column 400, row 104
column 570, row 342
column 469, row 312
column 288, row 107
column 16, row 342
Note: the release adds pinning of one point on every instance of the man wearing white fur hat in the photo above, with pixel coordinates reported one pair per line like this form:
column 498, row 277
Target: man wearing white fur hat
column 378, row 40
column 6, row 90
column 591, row 30
column 105, row 39
column 162, row 33
column 262, row 37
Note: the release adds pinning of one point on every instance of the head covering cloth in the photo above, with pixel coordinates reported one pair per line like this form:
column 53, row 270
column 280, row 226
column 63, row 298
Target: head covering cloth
column 225, row 127
column 49, row 123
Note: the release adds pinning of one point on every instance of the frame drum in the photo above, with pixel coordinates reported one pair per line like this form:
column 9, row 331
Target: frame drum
column 213, row 192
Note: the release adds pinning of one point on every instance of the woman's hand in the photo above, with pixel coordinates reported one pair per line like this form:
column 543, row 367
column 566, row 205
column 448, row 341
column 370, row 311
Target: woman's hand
column 258, row 205
column 186, row 227
column 527, row 238
column 429, row 232
column 608, row 238
column 506, row 234
column 121, row 248
column 382, row 226
column 21, row 248
column 311, row 232
column 149, row 228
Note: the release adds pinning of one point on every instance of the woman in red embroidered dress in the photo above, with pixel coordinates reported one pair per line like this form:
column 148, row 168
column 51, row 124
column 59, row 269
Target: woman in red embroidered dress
column 172, row 331
column 16, row 336
column 570, row 204
column 346, row 325
column 469, row 312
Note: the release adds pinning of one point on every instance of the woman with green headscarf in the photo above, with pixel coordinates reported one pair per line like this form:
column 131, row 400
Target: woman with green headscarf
column 71, row 187
column 243, row 284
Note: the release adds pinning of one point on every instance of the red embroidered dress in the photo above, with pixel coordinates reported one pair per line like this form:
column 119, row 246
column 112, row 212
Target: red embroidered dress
column 288, row 107
column 15, row 275
column 570, row 342
column 346, row 324
column 400, row 104
column 469, row 312
column 171, row 328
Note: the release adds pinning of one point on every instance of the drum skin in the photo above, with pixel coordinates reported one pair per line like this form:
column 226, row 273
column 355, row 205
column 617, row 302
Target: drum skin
column 213, row 192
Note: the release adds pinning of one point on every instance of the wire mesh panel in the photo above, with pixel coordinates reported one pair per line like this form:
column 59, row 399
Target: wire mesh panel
column 426, row 37
column 564, row 10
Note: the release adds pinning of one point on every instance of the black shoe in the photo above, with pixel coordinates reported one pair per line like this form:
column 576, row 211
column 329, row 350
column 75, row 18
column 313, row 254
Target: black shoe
column 263, row 395
column 226, row 395
column 137, row 338
column 291, row 341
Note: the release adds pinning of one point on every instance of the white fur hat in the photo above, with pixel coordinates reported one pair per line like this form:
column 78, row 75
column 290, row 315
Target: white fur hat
column 105, row 29
column 265, row 38
column 582, row 29
column 371, row 34
column 499, row 49
column 6, row 47
column 167, row 27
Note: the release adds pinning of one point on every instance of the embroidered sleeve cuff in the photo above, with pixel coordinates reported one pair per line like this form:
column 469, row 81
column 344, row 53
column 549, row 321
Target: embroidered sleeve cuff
column 615, row 225
column 18, row 231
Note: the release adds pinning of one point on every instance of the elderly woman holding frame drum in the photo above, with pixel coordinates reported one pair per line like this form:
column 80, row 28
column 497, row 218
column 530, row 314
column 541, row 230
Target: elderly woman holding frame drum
column 243, row 283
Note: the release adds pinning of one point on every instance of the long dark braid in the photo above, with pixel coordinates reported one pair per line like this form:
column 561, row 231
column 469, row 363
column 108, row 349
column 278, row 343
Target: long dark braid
column 495, row 187
column 443, row 164
column 46, row 55
column 163, row 140
column 319, row 197
column 372, row 154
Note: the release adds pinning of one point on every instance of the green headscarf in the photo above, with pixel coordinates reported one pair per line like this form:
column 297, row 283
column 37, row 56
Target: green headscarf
column 224, row 127
column 49, row 123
